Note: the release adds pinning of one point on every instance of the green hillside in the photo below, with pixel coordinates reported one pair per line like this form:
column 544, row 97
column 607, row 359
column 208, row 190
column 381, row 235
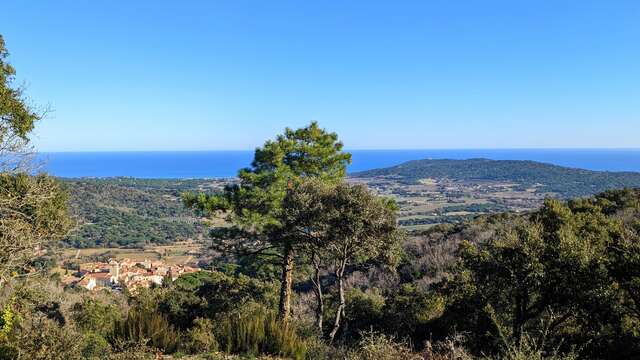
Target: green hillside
column 566, row 182
column 132, row 212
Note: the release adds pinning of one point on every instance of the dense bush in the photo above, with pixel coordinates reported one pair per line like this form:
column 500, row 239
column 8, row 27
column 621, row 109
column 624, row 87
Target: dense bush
column 200, row 338
column 207, row 294
column 94, row 316
column 375, row 346
column 555, row 273
column 146, row 327
column 256, row 330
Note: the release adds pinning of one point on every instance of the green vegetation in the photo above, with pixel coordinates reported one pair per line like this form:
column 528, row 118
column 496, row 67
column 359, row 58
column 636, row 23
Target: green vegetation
column 557, row 283
column 132, row 212
column 33, row 209
column 560, row 282
column 256, row 330
column 254, row 206
column 547, row 178
column 552, row 280
column 126, row 212
column 339, row 226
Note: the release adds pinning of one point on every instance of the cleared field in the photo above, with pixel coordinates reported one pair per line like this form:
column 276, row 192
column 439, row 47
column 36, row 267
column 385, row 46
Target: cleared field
column 430, row 201
column 178, row 253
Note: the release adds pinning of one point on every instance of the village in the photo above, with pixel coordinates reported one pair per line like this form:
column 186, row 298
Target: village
column 126, row 274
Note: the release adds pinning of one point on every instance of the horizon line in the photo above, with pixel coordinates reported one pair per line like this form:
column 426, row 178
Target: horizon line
column 348, row 150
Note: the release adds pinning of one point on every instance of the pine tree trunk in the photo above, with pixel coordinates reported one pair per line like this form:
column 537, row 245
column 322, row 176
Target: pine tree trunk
column 284, row 308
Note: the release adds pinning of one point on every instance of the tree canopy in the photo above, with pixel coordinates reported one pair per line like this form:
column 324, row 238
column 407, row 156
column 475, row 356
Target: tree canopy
column 17, row 117
column 254, row 206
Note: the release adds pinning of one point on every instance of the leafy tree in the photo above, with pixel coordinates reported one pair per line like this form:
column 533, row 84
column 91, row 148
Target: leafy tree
column 361, row 227
column 17, row 118
column 209, row 295
column 305, row 217
column 32, row 209
column 544, row 276
column 254, row 206
column 341, row 225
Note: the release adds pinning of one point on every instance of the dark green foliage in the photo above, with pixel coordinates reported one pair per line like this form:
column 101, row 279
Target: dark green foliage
column 44, row 340
column 340, row 225
column 17, row 119
column 94, row 346
column 256, row 330
column 409, row 313
column 94, row 316
column 131, row 212
column 294, row 155
column 557, row 283
column 447, row 219
column 253, row 207
column 207, row 295
column 566, row 182
column 144, row 326
column 364, row 311
column 566, row 271
column 201, row 337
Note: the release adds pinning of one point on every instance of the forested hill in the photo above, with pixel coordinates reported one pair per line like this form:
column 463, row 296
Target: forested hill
column 566, row 182
column 133, row 212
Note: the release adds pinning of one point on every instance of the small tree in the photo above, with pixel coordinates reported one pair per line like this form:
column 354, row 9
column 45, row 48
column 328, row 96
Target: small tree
column 305, row 210
column 341, row 225
column 254, row 206
column 361, row 227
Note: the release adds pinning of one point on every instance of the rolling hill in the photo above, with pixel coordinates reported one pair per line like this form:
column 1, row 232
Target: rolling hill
column 565, row 182
column 129, row 212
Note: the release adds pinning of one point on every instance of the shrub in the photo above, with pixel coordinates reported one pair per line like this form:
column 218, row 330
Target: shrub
column 451, row 348
column 364, row 310
column 94, row 346
column 318, row 349
column 205, row 294
column 255, row 330
column 94, row 316
column 146, row 327
column 201, row 338
column 127, row 350
column 531, row 349
column 41, row 339
column 376, row 346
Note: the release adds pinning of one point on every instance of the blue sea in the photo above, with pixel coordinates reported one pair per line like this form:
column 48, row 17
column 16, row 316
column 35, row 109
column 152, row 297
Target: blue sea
column 218, row 164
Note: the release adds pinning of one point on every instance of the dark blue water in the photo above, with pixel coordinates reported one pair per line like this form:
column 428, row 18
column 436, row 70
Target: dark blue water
column 210, row 164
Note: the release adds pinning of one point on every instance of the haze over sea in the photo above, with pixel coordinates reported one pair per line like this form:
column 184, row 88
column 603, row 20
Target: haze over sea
column 215, row 164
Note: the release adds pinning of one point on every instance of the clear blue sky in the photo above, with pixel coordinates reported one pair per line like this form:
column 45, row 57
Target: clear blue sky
column 199, row 75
